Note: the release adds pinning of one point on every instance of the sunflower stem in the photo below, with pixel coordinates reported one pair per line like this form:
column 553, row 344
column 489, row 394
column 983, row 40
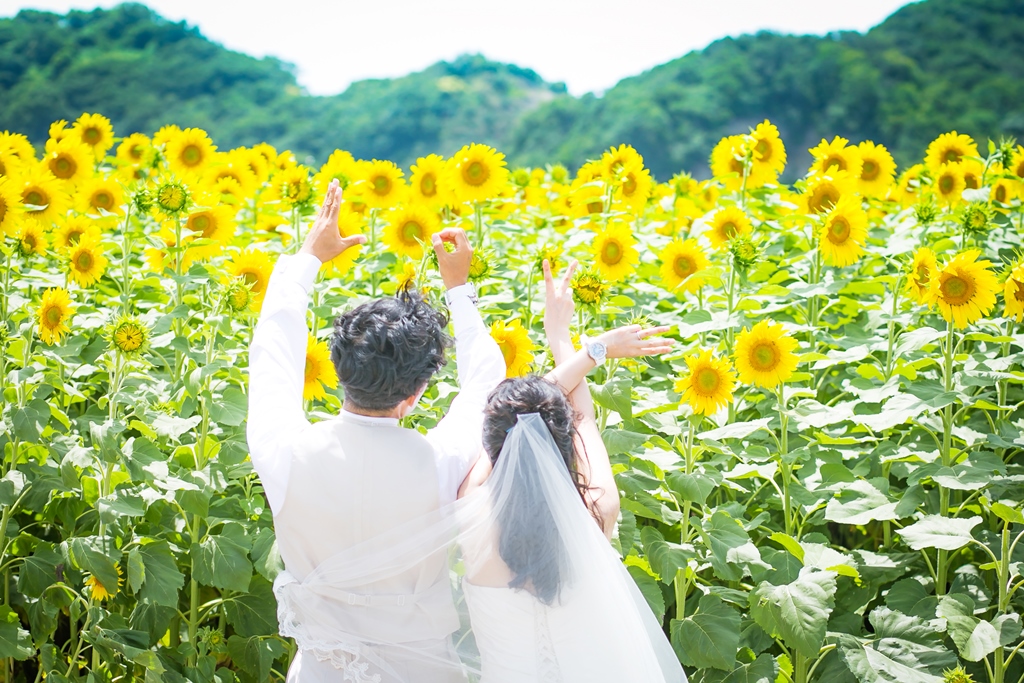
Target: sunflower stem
column 126, row 250
column 892, row 327
column 478, row 218
column 787, row 503
column 946, row 453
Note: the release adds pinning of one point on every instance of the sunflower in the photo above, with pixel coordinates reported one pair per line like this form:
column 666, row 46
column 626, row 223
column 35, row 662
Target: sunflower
column 189, row 151
column 922, row 270
column 1017, row 167
column 972, row 170
column 1013, row 294
column 1003, row 191
column 238, row 296
column 172, row 198
column 233, row 166
column 319, row 372
column 841, row 237
column 516, row 347
column 822, row 192
column 727, row 223
column 949, row 148
column 128, row 336
column 253, row 266
column 633, row 187
column 43, row 195
column 100, row 196
column 407, row 278
column 10, row 205
column 10, row 162
column 409, row 229
column 19, row 145
column 94, row 131
column 838, row 155
column 765, row 355
column 587, row 287
column 949, row 184
column 615, row 254
column 31, row 237
column 728, row 160
column 268, row 226
column 136, row 150
column 215, row 223
column 769, row 152
column 909, row 188
column 86, row 261
column 58, row 131
column 965, row 289
column 383, row 184
column 877, row 169
column 709, row 385
column 427, row 182
column 681, row 263
column 257, row 162
column 476, row 173
column 74, row 228
column 292, row 186
column 586, row 199
column 349, row 223
column 340, row 166
column 226, row 190
column 54, row 313
column 69, row 160
column 616, row 158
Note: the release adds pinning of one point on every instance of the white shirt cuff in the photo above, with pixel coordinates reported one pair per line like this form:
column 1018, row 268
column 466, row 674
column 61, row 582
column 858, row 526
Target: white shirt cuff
column 299, row 268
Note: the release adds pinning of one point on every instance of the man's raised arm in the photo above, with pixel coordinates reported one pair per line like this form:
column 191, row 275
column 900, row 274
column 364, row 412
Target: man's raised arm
column 481, row 367
column 277, row 354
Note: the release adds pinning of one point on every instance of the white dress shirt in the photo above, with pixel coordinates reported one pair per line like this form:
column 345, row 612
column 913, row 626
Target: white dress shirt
column 277, row 359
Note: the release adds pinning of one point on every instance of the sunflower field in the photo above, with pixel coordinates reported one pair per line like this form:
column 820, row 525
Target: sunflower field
column 824, row 482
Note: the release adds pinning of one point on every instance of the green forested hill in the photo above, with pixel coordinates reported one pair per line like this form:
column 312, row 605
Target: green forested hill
column 933, row 66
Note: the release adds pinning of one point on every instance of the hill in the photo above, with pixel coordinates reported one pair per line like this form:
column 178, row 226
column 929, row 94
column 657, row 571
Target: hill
column 931, row 67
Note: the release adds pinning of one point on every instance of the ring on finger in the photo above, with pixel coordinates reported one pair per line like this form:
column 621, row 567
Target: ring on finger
column 640, row 335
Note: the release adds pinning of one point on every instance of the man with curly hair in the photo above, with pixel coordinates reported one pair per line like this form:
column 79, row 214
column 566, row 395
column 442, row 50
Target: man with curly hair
column 341, row 485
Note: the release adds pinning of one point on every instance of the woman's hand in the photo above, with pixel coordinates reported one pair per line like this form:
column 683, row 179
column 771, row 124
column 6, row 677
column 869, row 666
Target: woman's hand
column 324, row 239
column 558, row 302
column 632, row 341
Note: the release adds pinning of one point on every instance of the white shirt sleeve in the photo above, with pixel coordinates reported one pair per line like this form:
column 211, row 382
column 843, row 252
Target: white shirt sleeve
column 277, row 362
column 457, row 438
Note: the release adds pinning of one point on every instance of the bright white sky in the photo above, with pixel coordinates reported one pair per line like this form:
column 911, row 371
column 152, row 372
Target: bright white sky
column 587, row 44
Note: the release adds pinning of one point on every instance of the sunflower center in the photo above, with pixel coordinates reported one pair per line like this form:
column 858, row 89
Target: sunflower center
column 869, row 171
column 763, row 150
column 103, row 200
column 201, row 223
column 834, row 160
column 1019, row 170
column 946, row 184
column 53, row 316
column 84, row 261
column 971, row 180
column 952, row 156
column 476, row 173
column 171, row 198
column 75, row 235
column 612, row 253
column 63, row 167
column 736, row 166
column 3, row 209
column 957, row 290
column 30, row 241
column 35, row 197
column 729, row 229
column 707, row 381
column 191, row 155
column 428, row 185
column 91, row 135
column 823, row 198
column 1000, row 196
column 310, row 372
column 381, row 185
column 629, row 185
column 923, row 276
column 411, row 232
column 3, row 168
column 1019, row 293
column 595, row 207
column 839, row 230
column 136, row 152
column 508, row 351
column 683, row 266
column 764, row 356
column 251, row 278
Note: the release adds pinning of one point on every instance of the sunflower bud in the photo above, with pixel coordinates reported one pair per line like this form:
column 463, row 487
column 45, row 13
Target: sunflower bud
column 957, row 675
column 142, row 201
column 521, row 177
column 588, row 288
column 745, row 253
column 553, row 254
column 129, row 336
column 559, row 173
column 975, row 218
column 926, row 212
column 481, row 266
column 172, row 198
column 238, row 296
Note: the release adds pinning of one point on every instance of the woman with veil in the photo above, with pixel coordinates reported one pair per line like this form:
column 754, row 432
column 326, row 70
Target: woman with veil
column 548, row 598
column 536, row 592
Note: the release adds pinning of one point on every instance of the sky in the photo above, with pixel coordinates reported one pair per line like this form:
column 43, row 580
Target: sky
column 587, row 44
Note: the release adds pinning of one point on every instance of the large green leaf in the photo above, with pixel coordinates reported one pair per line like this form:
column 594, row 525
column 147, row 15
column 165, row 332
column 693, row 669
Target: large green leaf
column 710, row 637
column 648, row 585
column 904, row 648
column 222, row 562
column 860, row 502
column 976, row 638
column 695, row 487
column 255, row 655
column 797, row 612
column 15, row 642
column 732, row 553
column 735, row 430
column 163, row 580
column 935, row 531
column 255, row 612
column 665, row 558
column 615, row 395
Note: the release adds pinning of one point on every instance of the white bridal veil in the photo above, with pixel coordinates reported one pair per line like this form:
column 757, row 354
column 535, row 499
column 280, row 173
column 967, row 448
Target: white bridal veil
column 548, row 596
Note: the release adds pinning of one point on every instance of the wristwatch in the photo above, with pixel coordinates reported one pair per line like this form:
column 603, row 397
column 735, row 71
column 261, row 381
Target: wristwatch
column 470, row 291
column 595, row 349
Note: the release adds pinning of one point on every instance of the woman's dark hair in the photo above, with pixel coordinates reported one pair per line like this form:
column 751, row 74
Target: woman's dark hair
column 386, row 350
column 528, row 541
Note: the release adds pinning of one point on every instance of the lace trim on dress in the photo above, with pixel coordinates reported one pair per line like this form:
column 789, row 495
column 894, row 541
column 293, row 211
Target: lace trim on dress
column 548, row 670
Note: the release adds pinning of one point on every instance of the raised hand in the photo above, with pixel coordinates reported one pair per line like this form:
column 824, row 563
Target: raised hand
column 454, row 265
column 632, row 341
column 558, row 302
column 324, row 239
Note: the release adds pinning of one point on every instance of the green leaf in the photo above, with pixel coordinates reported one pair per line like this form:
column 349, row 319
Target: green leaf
column 221, row 562
column 11, row 487
column 860, row 502
column 1007, row 513
column 665, row 558
column 15, row 642
column 86, row 553
column 648, row 585
column 231, row 408
column 790, row 544
column 710, row 637
column 39, row 570
column 617, row 395
column 255, row 655
column 173, row 427
column 136, row 570
column 30, row 420
column 796, row 612
column 935, row 531
column 694, row 487
column 764, row 669
column 619, row 441
column 904, row 648
column 732, row 553
column 265, row 555
column 735, row 430
column 255, row 612
column 162, row 579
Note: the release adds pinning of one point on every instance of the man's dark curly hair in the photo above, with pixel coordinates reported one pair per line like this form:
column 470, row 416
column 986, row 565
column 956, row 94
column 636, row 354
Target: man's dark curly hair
column 386, row 350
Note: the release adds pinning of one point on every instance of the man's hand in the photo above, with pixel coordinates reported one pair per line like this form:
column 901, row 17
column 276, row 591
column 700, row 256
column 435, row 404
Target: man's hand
column 558, row 303
column 633, row 341
column 324, row 239
column 454, row 265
